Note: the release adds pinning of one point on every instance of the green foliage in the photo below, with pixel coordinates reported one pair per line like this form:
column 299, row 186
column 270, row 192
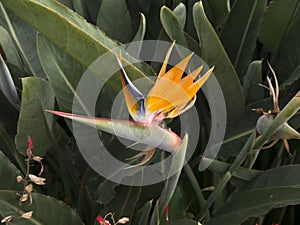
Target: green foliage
column 47, row 47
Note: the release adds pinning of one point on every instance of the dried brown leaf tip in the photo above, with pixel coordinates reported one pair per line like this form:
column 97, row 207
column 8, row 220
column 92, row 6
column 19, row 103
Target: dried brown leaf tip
column 27, row 215
column 19, row 178
column 123, row 220
column 37, row 180
column 285, row 131
column 7, row 219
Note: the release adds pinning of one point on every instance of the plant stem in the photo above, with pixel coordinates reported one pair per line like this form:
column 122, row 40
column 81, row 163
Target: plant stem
column 196, row 187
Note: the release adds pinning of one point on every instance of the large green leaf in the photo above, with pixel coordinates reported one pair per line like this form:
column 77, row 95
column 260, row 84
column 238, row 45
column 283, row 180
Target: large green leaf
column 46, row 210
column 276, row 21
column 63, row 72
column 33, row 120
column 7, row 85
column 213, row 53
column 255, row 203
column 271, row 189
column 66, row 29
column 24, row 37
column 277, row 177
column 289, row 52
column 8, row 175
column 11, row 53
column 240, row 32
column 114, row 20
column 220, row 10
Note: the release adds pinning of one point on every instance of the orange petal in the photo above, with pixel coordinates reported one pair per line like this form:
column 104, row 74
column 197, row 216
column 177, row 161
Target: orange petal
column 194, row 88
column 165, row 63
column 177, row 71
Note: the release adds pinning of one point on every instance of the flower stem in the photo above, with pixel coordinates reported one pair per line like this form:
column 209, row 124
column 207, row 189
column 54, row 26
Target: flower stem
column 196, row 187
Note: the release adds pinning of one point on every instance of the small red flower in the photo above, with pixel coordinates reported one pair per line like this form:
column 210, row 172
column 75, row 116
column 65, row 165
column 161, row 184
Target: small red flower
column 102, row 221
column 29, row 143
column 167, row 212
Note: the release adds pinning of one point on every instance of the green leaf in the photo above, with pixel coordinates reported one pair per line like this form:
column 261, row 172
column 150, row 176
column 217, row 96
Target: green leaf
column 221, row 167
column 284, row 176
column 180, row 13
column 155, row 218
column 12, row 56
column 292, row 78
column 172, row 26
column 252, row 79
column 276, row 22
column 255, row 203
column 8, row 175
column 69, row 31
column 124, row 203
column 83, row 41
column 139, row 36
column 220, row 10
column 228, row 175
column 190, row 26
column 63, row 72
column 289, row 57
column 67, row 3
column 213, row 53
column 33, row 120
column 79, row 7
column 7, row 142
column 7, row 85
column 114, row 19
column 23, row 36
column 46, row 210
column 240, row 32
column 171, row 183
column 142, row 215
column 106, row 192
column 273, row 188
column 176, row 205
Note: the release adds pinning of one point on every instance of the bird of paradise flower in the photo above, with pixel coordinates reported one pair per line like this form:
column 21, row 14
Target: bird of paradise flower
column 172, row 94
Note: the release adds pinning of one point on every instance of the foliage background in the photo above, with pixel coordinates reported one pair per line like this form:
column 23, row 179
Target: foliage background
column 45, row 64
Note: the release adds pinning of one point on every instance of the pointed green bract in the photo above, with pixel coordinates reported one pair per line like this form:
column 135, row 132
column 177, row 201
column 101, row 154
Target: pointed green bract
column 149, row 134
